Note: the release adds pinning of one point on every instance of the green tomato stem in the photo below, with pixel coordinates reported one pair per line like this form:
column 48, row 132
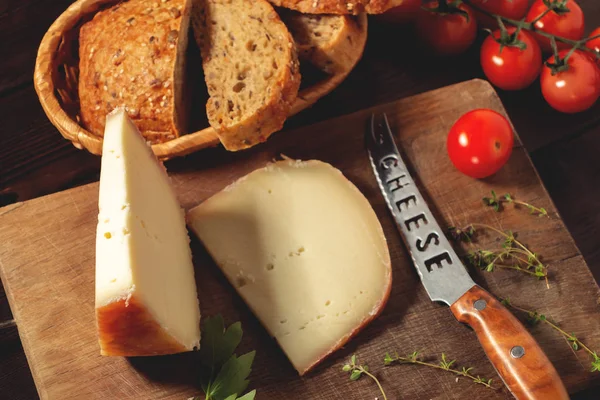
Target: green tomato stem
column 529, row 26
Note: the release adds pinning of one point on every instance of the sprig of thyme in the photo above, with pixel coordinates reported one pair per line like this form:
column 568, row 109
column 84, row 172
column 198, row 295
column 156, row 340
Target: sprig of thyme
column 465, row 234
column 444, row 365
column 357, row 370
column 496, row 203
column 534, row 317
column 513, row 254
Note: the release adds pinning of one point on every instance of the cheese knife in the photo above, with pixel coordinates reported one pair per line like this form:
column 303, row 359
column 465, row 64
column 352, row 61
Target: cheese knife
column 514, row 353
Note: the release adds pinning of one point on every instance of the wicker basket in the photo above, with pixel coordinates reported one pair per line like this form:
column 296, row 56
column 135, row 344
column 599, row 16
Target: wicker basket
column 57, row 73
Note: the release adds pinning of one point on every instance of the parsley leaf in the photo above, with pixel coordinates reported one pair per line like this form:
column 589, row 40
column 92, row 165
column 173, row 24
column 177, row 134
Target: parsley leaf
column 218, row 344
column 247, row 396
column 232, row 377
column 224, row 374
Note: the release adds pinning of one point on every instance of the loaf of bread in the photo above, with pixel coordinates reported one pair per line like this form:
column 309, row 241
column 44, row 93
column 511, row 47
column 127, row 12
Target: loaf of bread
column 327, row 41
column 250, row 66
column 132, row 55
column 338, row 6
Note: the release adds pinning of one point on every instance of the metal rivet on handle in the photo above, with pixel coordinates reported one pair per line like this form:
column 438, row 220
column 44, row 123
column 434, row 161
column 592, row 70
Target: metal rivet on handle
column 480, row 305
column 517, row 352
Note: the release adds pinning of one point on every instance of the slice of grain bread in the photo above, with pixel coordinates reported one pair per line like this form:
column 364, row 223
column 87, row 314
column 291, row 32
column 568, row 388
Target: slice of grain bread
column 338, row 6
column 327, row 41
column 132, row 55
column 250, row 66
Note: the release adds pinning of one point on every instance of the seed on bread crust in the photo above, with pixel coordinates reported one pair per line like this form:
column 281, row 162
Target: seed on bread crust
column 338, row 6
column 132, row 55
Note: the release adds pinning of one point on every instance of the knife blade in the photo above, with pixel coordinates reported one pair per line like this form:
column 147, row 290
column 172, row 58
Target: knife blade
column 518, row 359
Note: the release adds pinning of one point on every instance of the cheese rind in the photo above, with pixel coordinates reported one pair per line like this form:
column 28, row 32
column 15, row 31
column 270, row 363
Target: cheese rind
column 304, row 249
column 146, row 298
column 128, row 329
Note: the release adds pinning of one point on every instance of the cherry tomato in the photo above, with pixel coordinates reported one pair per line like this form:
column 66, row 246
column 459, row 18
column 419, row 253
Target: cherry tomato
column 513, row 9
column 406, row 12
column 574, row 90
column 569, row 25
column 594, row 44
column 511, row 68
column 449, row 33
column 480, row 143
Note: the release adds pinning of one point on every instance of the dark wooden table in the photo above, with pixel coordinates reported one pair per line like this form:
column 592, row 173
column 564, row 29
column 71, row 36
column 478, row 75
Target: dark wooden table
column 35, row 160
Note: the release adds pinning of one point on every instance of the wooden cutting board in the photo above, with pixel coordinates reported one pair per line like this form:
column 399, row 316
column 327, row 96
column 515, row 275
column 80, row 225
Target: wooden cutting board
column 47, row 268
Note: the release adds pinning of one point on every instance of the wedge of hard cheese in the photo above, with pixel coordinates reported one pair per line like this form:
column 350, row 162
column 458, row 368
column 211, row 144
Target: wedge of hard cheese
column 146, row 300
column 304, row 249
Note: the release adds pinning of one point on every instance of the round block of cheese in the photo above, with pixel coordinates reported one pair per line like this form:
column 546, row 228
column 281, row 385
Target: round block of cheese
column 304, row 249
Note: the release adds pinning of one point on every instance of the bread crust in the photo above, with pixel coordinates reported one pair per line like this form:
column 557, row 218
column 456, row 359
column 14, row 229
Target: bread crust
column 338, row 6
column 132, row 55
column 270, row 115
column 337, row 54
column 126, row 328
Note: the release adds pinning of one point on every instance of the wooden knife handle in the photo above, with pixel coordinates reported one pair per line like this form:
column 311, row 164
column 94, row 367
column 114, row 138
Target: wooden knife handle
column 515, row 354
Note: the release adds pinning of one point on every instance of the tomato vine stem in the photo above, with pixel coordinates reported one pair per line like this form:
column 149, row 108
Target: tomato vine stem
column 542, row 15
column 529, row 26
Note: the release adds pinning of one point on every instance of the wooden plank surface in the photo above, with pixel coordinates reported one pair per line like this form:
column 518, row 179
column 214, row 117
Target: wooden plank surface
column 571, row 170
column 563, row 147
column 47, row 263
